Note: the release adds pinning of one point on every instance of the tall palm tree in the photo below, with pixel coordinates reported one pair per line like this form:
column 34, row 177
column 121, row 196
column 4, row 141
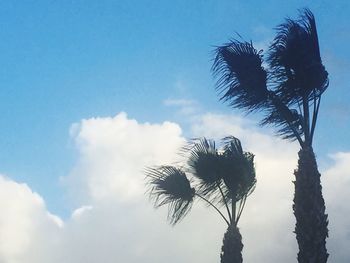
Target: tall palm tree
column 218, row 177
column 287, row 87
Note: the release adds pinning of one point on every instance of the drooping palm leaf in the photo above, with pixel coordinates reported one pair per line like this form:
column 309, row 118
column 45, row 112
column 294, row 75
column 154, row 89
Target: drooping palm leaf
column 288, row 124
column 241, row 76
column 240, row 178
column 169, row 185
column 294, row 58
column 203, row 163
column 249, row 181
column 232, row 145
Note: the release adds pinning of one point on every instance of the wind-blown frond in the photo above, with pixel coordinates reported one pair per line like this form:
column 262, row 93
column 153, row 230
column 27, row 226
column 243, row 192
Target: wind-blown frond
column 241, row 76
column 287, row 121
column 249, row 180
column 229, row 172
column 203, row 162
column 170, row 186
column 240, row 177
column 232, row 145
column 295, row 61
column 284, row 125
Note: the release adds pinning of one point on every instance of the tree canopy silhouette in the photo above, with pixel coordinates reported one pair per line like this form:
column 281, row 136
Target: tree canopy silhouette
column 219, row 177
column 287, row 88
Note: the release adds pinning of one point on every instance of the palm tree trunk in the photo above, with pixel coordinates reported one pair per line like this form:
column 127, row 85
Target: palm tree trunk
column 231, row 250
column 309, row 209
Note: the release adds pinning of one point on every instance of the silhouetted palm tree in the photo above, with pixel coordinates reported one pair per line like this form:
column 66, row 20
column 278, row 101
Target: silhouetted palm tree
column 288, row 90
column 219, row 178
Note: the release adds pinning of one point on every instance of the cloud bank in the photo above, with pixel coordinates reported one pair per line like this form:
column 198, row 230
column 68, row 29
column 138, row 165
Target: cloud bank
column 114, row 222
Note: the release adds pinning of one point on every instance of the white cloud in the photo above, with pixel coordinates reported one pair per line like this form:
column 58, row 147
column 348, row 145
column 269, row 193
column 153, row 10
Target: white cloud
column 336, row 185
column 113, row 153
column 24, row 222
column 116, row 222
column 77, row 213
column 187, row 107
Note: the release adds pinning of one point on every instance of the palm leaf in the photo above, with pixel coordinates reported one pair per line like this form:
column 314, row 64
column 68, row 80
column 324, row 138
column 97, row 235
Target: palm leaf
column 241, row 77
column 203, row 163
column 294, row 58
column 287, row 121
column 240, row 177
column 169, row 185
column 232, row 145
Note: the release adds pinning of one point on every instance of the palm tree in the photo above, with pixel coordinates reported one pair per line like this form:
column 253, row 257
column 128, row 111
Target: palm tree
column 218, row 177
column 288, row 90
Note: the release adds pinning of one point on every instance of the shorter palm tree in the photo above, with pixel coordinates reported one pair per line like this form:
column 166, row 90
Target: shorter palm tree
column 220, row 178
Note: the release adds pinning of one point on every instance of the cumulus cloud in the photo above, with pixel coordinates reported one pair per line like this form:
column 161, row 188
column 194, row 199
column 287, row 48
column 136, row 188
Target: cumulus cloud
column 26, row 226
column 336, row 182
column 114, row 221
column 113, row 153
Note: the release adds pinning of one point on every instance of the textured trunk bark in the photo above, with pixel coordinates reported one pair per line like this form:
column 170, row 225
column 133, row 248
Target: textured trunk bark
column 231, row 250
column 311, row 227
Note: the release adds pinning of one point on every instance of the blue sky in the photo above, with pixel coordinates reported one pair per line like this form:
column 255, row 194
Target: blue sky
column 67, row 60
column 64, row 61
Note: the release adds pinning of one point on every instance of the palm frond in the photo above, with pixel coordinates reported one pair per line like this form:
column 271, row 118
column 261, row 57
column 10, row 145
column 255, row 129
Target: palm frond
column 203, row 163
column 287, row 120
column 249, row 181
column 240, row 176
column 241, row 78
column 284, row 126
column 294, row 58
column 169, row 185
column 315, row 69
column 232, row 145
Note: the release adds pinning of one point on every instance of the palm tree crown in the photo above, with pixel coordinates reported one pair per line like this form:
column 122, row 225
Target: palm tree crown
column 288, row 89
column 219, row 177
